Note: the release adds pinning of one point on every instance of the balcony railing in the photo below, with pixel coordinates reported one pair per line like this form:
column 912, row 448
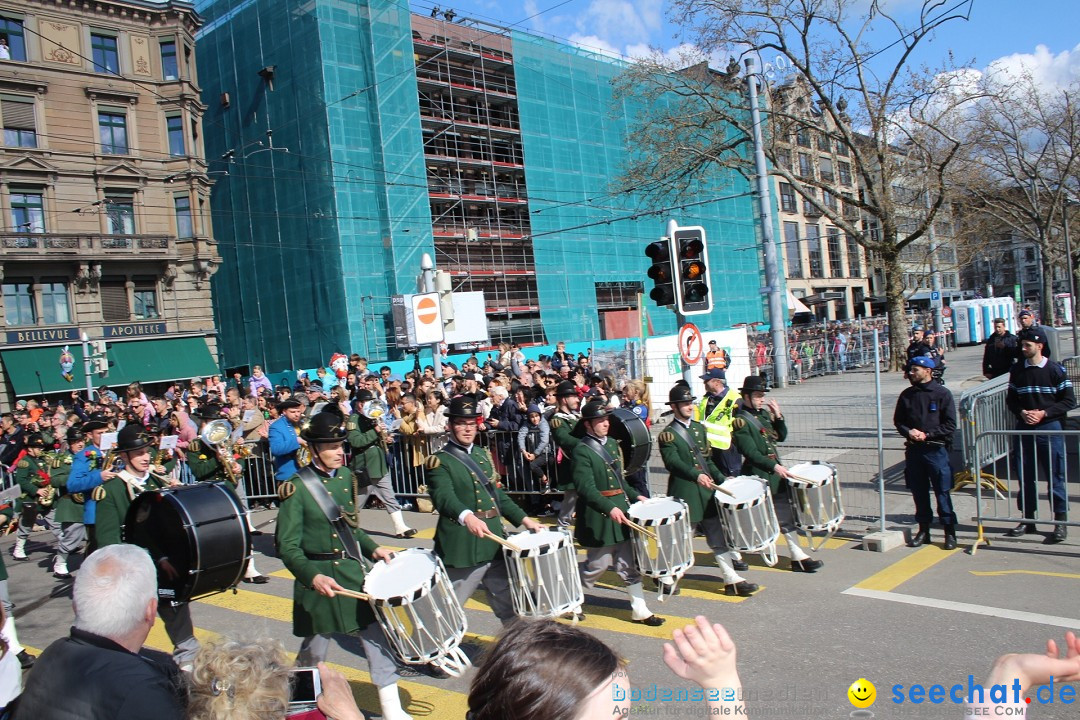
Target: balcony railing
column 86, row 244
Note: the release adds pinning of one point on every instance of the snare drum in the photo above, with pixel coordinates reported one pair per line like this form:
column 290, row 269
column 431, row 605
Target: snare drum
column 816, row 497
column 415, row 605
column 671, row 554
column 544, row 577
column 200, row 529
column 748, row 516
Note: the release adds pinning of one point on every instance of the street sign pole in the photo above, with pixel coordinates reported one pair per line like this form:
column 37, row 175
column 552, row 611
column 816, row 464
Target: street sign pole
column 428, row 267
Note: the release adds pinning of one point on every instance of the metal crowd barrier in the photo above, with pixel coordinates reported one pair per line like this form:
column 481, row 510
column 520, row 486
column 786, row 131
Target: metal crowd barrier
column 981, row 410
column 1038, row 457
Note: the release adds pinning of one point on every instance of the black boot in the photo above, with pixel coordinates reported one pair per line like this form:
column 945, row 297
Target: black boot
column 922, row 537
column 1022, row 529
column 1060, row 531
column 950, row 537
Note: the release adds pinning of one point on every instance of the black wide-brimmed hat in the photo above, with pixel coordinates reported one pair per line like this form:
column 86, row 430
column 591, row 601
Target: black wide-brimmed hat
column 752, row 384
column 565, row 388
column 288, row 405
column 35, row 440
column 132, row 437
column 324, row 427
column 595, row 409
column 75, row 434
column 463, row 407
column 96, row 421
column 209, row 411
column 680, row 394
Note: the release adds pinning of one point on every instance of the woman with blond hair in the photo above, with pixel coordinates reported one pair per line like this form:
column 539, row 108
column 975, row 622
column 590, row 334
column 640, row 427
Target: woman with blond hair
column 233, row 680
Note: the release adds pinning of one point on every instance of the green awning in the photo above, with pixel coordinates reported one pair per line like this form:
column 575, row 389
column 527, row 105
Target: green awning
column 34, row 371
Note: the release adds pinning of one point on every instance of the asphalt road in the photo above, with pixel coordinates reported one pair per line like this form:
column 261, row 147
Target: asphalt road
column 910, row 616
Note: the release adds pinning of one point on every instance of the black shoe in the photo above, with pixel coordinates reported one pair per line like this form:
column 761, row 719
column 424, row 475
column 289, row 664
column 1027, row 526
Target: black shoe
column 807, row 566
column 1061, row 532
column 666, row 589
column 407, row 534
column 741, row 588
column 26, row 660
column 740, row 566
column 920, row 538
column 258, row 580
column 435, row 671
column 950, row 542
column 255, row 532
column 651, row 621
column 1021, row 530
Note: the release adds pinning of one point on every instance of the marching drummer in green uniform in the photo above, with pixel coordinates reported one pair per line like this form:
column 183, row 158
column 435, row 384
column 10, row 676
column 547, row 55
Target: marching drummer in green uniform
column 114, row 497
column 604, row 496
column 324, row 550
column 684, row 447
column 465, row 490
column 38, row 495
column 759, row 426
column 562, row 423
column 69, row 509
column 368, row 438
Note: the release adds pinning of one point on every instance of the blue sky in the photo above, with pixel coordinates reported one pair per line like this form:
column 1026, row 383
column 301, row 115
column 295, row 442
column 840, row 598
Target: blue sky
column 1006, row 32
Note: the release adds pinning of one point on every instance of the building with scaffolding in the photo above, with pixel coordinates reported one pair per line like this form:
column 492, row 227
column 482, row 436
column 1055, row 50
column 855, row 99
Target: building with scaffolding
column 359, row 136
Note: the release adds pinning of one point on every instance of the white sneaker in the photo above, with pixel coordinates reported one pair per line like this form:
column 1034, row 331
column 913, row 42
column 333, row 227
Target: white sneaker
column 60, row 569
column 19, row 551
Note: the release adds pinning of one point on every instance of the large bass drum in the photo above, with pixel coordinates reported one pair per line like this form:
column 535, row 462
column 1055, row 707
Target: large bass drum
column 633, row 437
column 200, row 530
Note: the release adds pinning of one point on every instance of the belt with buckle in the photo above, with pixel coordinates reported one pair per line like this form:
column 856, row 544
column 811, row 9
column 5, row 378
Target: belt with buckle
column 611, row 493
column 337, row 554
column 486, row 514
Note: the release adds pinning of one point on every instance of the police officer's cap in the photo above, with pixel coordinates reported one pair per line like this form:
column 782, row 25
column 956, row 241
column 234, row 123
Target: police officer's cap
column 714, row 374
column 565, row 388
column 324, row 427
column 1026, row 313
column 1033, row 336
column 595, row 409
column 680, row 394
column 463, row 407
column 133, row 437
column 923, row 361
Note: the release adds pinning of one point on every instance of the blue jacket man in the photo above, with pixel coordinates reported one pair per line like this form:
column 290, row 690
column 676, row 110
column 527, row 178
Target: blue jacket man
column 86, row 472
column 284, row 440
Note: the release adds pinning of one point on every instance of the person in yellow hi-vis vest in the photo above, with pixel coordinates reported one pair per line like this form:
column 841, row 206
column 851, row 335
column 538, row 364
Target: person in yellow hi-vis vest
column 716, row 411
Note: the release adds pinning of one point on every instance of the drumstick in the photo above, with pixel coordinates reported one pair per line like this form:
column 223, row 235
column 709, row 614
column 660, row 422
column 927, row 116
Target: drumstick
column 506, row 544
column 353, row 594
column 806, row 480
column 714, row 486
column 641, row 529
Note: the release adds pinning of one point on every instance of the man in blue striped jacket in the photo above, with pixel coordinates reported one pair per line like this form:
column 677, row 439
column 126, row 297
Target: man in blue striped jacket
column 1040, row 395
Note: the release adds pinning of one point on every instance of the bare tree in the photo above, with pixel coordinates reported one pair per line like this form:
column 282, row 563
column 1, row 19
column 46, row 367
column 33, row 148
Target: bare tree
column 1022, row 161
column 889, row 119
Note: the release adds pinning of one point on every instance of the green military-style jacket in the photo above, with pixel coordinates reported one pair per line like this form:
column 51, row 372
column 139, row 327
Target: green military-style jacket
column 28, row 476
column 562, row 433
column 303, row 531
column 684, row 469
column 454, row 490
column 113, row 500
column 758, row 447
column 368, row 450
column 67, row 510
column 203, row 462
column 593, row 477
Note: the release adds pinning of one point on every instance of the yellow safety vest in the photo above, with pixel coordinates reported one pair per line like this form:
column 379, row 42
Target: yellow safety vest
column 718, row 422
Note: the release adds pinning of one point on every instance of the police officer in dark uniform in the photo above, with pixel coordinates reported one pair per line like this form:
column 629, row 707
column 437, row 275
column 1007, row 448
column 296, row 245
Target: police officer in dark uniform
column 918, row 347
column 1000, row 352
column 926, row 416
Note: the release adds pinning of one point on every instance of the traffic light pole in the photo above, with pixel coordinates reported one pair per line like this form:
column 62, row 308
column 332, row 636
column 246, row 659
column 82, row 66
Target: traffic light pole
column 777, row 312
column 86, row 366
column 428, row 268
column 680, row 319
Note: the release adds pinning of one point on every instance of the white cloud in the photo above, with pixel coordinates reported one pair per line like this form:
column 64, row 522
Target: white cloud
column 621, row 23
column 595, row 44
column 1051, row 72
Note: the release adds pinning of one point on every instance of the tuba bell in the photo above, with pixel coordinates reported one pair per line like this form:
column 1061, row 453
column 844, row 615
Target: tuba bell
column 218, row 435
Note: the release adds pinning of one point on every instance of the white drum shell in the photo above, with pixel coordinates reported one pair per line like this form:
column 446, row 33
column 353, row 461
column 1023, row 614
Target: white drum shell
column 415, row 605
column 544, row 577
column 671, row 554
column 817, row 507
column 748, row 519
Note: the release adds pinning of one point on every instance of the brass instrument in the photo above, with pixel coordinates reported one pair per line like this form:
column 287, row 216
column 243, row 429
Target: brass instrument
column 110, row 460
column 303, row 455
column 218, row 435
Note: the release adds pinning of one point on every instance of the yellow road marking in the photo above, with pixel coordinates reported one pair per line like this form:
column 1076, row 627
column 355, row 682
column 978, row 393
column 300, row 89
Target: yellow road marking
column 903, row 570
column 1073, row 576
column 418, row 699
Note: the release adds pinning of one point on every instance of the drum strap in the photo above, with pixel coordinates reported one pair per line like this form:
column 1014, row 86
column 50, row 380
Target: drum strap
column 332, row 512
column 465, row 459
column 682, row 431
column 600, row 451
column 754, row 422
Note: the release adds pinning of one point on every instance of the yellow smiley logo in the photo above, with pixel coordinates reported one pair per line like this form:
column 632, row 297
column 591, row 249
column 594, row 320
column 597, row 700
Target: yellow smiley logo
column 862, row 693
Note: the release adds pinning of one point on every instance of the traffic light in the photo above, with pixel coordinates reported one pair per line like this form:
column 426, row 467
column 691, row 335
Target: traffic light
column 659, row 252
column 692, row 258
column 99, row 361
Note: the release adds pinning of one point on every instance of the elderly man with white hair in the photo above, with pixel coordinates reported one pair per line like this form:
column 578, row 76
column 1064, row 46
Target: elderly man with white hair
column 101, row 670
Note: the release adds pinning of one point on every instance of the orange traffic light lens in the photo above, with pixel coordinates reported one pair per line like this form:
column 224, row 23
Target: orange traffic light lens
column 693, row 270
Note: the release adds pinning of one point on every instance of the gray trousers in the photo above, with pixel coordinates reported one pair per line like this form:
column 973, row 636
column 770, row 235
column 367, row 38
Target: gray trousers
column 714, row 534
column 382, row 489
column 5, row 599
column 382, row 665
column 27, row 520
column 496, row 581
column 566, row 510
column 178, row 626
column 72, row 536
column 598, row 560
